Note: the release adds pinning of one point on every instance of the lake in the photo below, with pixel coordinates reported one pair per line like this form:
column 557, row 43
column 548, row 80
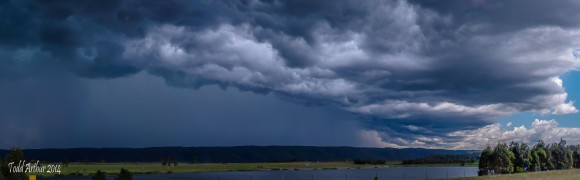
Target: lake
column 334, row 174
column 346, row 174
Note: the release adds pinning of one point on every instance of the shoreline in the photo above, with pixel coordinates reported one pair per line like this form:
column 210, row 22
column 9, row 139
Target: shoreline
column 155, row 168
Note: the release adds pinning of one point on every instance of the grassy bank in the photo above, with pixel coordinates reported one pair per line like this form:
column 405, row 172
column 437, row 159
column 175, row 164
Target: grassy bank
column 560, row 175
column 87, row 169
column 147, row 168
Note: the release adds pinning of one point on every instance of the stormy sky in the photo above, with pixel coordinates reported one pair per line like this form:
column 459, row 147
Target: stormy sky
column 376, row 73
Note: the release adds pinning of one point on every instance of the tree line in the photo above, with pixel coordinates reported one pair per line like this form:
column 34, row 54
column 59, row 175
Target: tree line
column 369, row 161
column 445, row 159
column 519, row 157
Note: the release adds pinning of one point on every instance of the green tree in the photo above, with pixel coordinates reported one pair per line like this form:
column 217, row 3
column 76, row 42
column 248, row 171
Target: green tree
column 485, row 161
column 545, row 163
column 519, row 157
column 522, row 154
column 569, row 158
column 503, row 159
column 543, row 156
column 534, row 161
column 576, row 156
column 560, row 155
column 540, row 145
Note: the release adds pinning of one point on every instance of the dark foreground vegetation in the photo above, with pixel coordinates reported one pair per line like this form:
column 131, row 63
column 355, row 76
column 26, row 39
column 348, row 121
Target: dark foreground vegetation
column 519, row 157
column 15, row 155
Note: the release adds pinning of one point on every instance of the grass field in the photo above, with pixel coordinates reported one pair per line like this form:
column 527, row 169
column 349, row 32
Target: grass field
column 146, row 168
column 87, row 169
column 560, row 175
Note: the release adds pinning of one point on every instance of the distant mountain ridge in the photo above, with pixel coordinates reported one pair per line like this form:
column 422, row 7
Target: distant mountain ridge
column 234, row 154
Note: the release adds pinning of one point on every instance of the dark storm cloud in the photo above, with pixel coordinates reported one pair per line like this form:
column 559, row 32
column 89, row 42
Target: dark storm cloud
column 508, row 15
column 413, row 71
column 141, row 111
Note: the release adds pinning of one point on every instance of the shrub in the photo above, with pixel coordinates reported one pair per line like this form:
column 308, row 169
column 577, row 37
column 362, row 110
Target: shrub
column 125, row 175
column 100, row 175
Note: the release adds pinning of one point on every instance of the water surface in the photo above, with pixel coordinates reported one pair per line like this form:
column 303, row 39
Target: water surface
column 336, row 174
